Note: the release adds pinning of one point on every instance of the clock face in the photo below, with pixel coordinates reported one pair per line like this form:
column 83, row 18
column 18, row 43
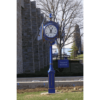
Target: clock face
column 50, row 31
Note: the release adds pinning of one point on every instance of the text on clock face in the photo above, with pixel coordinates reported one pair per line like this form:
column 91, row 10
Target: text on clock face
column 51, row 31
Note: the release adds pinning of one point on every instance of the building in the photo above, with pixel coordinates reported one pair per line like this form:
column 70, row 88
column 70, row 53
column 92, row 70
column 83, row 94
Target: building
column 32, row 55
column 77, row 38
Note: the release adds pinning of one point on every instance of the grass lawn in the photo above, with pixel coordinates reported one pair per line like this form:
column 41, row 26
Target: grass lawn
column 61, row 96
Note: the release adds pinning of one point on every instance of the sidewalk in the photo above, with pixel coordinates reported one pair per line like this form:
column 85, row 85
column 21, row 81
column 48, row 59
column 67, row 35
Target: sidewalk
column 26, row 83
column 46, row 79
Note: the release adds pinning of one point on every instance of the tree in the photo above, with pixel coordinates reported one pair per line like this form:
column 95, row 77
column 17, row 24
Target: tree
column 68, row 13
column 73, row 51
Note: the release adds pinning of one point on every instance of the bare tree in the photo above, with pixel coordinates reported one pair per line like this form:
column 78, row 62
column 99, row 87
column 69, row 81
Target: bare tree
column 68, row 13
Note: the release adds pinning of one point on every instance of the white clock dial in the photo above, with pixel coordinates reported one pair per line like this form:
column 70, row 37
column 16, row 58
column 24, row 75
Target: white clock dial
column 51, row 31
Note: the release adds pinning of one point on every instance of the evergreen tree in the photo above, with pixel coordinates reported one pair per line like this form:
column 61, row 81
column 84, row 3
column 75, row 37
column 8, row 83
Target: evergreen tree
column 73, row 51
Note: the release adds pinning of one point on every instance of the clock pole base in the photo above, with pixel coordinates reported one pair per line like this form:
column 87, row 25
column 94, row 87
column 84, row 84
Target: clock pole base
column 51, row 90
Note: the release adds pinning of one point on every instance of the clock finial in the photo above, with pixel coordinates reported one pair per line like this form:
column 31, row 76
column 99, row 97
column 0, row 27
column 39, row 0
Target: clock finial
column 50, row 16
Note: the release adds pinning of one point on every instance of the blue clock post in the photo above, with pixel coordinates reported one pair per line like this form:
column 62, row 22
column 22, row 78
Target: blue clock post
column 51, row 74
column 50, row 33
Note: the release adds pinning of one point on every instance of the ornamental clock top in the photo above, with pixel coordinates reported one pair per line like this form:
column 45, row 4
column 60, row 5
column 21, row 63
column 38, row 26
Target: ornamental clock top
column 50, row 30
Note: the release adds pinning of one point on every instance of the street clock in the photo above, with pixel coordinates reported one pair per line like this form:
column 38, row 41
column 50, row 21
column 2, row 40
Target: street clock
column 50, row 31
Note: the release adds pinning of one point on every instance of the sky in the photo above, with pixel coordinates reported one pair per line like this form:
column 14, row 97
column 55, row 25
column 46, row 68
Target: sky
column 70, row 45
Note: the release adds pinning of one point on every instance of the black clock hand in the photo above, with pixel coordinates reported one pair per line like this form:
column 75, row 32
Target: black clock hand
column 51, row 28
column 50, row 31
